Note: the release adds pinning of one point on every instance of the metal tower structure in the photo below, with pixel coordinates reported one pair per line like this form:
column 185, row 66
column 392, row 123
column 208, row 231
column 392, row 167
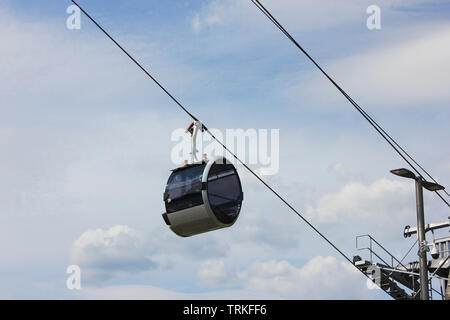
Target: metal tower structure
column 402, row 281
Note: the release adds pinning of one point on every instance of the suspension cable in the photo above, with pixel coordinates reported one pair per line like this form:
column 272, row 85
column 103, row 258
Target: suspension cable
column 374, row 124
column 218, row 141
column 232, row 153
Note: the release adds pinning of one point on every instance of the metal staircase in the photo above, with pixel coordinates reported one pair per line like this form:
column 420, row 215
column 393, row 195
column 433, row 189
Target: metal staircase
column 386, row 271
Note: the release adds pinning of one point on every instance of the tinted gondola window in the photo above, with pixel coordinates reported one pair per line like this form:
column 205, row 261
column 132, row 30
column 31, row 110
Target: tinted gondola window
column 224, row 192
column 184, row 189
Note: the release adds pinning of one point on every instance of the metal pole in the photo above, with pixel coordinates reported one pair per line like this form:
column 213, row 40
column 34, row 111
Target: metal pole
column 424, row 291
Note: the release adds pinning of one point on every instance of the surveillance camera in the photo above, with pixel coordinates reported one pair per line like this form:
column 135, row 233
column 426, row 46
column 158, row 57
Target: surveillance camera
column 434, row 252
column 435, row 255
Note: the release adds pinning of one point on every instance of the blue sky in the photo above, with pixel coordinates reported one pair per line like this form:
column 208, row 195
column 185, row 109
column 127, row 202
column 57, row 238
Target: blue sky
column 85, row 139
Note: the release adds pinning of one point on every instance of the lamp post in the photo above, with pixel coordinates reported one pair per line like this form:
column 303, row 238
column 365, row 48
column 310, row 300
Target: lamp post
column 420, row 184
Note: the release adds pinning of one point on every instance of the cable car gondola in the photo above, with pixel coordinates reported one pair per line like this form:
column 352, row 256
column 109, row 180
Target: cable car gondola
column 202, row 197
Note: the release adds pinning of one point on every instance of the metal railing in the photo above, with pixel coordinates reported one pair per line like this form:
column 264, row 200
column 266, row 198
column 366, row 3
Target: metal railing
column 392, row 258
column 372, row 253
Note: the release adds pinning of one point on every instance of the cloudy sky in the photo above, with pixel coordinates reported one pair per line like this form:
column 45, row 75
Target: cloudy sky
column 85, row 142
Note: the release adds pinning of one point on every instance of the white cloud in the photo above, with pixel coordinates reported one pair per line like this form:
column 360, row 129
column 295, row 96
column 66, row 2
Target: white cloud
column 130, row 292
column 207, row 18
column 46, row 66
column 259, row 225
column 202, row 246
column 147, row 292
column 404, row 73
column 96, row 168
column 406, row 66
column 295, row 15
column 319, row 278
column 196, row 23
column 384, row 200
column 213, row 272
column 106, row 254
column 344, row 172
column 121, row 252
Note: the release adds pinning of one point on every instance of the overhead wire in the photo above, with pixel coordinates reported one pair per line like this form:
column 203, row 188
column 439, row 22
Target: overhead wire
column 217, row 140
column 391, row 141
column 225, row 147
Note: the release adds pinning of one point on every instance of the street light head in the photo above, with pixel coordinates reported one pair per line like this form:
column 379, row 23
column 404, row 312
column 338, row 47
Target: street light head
column 432, row 186
column 405, row 173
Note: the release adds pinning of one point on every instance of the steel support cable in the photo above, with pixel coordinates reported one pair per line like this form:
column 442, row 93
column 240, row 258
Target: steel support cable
column 401, row 260
column 376, row 126
column 434, row 275
column 137, row 63
column 218, row 141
